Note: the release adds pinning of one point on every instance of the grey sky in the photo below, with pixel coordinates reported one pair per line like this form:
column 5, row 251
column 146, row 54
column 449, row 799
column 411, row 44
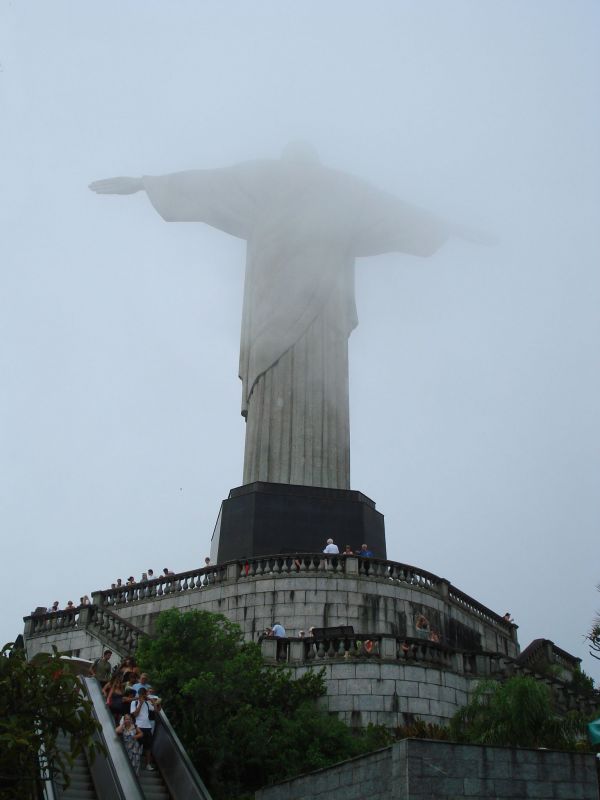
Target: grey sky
column 474, row 375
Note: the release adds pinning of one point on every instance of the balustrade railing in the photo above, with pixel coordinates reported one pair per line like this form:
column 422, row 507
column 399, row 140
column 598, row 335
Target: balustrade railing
column 113, row 627
column 161, row 587
column 468, row 603
column 52, row 622
column 297, row 564
column 107, row 624
column 355, row 646
column 398, row 573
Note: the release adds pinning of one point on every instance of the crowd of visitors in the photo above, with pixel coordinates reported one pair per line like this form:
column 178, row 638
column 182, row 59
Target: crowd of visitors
column 70, row 606
column 149, row 575
column 331, row 548
column 133, row 704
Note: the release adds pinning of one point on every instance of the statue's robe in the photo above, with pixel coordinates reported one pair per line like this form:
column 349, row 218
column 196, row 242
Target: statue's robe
column 304, row 225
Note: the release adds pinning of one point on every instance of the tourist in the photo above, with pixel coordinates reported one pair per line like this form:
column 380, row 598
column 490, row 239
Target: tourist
column 101, row 669
column 141, row 711
column 127, row 667
column 364, row 552
column 84, row 601
column 507, row 617
column 70, row 606
column 348, row 551
column 330, row 547
column 150, row 574
column 167, row 572
column 142, row 683
column 114, row 692
column 144, row 578
column 130, row 580
column 278, row 631
column 131, row 741
column 53, row 607
column 207, row 562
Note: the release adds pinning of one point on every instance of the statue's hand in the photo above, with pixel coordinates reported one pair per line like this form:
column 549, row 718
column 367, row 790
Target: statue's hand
column 117, row 186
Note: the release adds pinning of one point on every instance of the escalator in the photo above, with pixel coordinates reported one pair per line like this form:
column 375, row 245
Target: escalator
column 81, row 786
column 111, row 777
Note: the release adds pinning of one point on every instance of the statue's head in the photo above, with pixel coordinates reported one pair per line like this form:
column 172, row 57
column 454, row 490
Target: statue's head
column 300, row 152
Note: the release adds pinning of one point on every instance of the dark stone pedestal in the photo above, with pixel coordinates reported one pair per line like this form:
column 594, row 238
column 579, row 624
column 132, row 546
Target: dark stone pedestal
column 273, row 518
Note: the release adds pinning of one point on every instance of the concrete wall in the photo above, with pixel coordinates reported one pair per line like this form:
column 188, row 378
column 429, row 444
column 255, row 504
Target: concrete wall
column 363, row 778
column 386, row 693
column 73, row 641
column 300, row 601
column 422, row 770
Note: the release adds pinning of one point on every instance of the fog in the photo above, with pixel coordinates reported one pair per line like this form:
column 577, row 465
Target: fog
column 474, row 376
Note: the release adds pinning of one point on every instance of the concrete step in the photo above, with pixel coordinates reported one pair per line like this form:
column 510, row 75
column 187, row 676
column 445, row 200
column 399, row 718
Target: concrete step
column 153, row 785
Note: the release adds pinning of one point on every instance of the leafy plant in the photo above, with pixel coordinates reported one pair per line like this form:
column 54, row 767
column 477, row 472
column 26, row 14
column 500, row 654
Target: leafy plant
column 243, row 724
column 39, row 702
column 518, row 713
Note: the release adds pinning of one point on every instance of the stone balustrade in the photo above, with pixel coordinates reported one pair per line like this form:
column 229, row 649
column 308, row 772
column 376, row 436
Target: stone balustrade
column 123, row 634
column 473, row 607
column 161, row 587
column 102, row 621
column 53, row 621
column 408, row 651
column 300, row 564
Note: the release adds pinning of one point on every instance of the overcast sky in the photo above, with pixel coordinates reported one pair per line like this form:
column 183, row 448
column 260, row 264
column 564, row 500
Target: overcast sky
column 474, row 380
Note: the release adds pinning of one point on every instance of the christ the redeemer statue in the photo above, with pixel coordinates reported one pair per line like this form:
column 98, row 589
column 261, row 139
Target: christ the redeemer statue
column 304, row 225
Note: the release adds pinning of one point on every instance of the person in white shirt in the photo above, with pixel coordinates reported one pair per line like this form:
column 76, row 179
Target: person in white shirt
column 331, row 547
column 140, row 712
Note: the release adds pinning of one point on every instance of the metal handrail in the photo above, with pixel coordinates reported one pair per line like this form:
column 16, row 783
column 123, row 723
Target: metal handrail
column 113, row 775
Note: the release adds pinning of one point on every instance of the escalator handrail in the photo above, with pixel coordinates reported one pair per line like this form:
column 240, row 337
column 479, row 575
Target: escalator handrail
column 113, row 775
column 175, row 766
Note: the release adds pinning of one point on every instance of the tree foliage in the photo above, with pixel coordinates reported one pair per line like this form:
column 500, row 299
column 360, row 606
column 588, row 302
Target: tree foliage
column 518, row 713
column 39, row 702
column 243, row 724
column 593, row 635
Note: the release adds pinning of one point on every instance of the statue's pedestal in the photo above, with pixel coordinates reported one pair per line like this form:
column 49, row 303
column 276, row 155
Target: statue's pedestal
column 269, row 518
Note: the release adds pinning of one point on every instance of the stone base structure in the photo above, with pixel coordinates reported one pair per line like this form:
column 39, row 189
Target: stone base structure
column 276, row 518
column 416, row 769
column 397, row 643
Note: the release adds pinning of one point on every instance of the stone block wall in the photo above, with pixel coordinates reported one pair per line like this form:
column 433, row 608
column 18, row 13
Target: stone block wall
column 302, row 601
column 448, row 771
column 390, row 693
column 72, row 641
column 420, row 770
column 357, row 779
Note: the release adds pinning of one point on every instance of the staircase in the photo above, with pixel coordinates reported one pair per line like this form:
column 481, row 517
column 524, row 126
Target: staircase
column 81, row 786
column 153, row 786
column 111, row 776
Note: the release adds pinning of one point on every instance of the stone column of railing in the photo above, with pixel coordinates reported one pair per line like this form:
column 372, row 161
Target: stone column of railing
column 122, row 633
column 163, row 586
column 407, row 650
column 463, row 600
column 51, row 622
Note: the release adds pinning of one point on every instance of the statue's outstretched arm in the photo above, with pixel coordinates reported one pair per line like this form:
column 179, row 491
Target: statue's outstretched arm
column 122, row 185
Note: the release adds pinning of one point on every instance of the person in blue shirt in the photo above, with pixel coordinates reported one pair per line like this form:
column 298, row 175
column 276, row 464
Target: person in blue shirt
column 364, row 551
column 278, row 631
